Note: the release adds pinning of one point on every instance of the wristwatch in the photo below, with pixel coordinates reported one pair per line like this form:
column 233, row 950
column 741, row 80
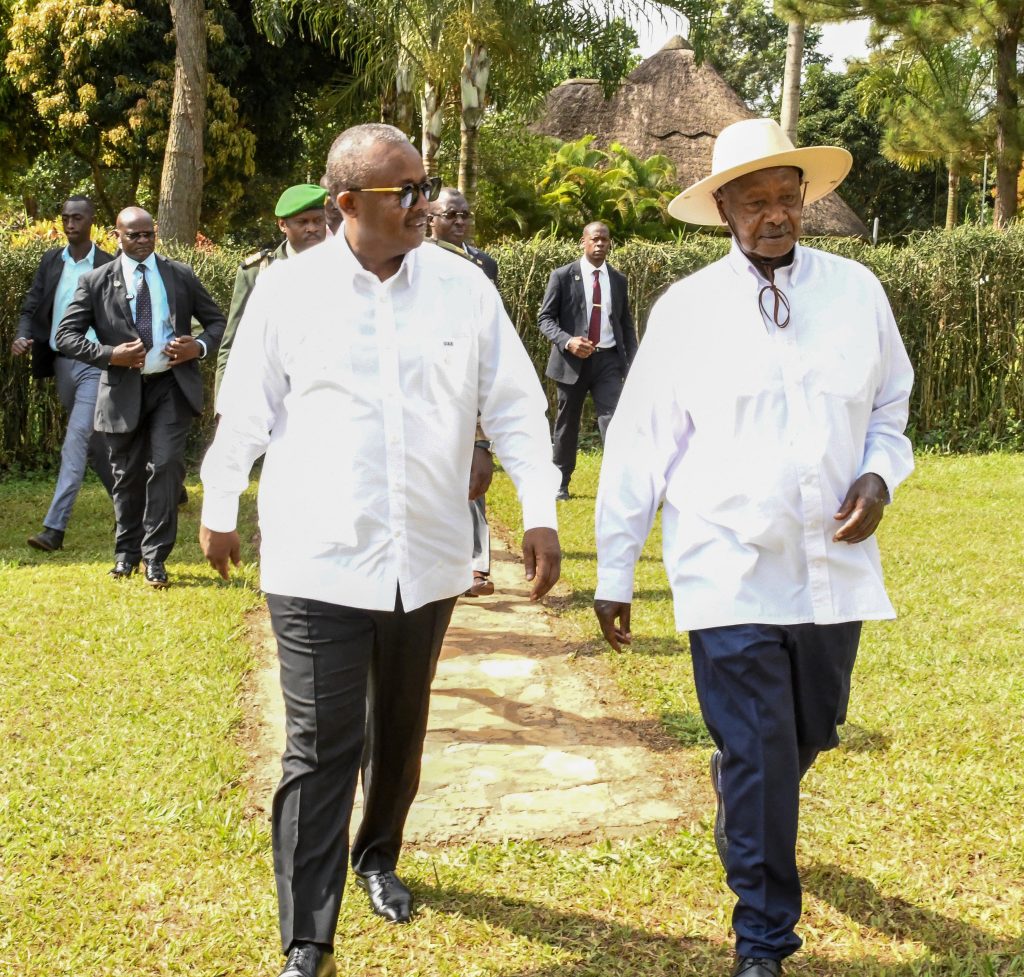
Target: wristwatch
column 485, row 445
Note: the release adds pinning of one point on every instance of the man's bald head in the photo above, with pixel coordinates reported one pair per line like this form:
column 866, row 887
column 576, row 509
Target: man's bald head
column 136, row 233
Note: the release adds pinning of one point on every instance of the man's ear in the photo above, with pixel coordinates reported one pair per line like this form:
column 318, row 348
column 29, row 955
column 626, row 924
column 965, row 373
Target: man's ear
column 718, row 204
column 281, row 225
column 346, row 203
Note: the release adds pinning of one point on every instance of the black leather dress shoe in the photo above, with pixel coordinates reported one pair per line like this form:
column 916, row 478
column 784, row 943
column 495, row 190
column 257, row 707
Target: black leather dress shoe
column 721, row 843
column 757, row 967
column 309, row 960
column 389, row 898
column 122, row 569
column 156, row 575
column 562, row 495
column 48, row 539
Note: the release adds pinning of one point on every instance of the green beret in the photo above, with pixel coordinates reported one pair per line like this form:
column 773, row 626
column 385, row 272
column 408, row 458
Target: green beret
column 304, row 196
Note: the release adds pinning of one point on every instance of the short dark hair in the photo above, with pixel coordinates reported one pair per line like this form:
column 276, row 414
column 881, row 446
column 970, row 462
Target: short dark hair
column 347, row 163
column 81, row 198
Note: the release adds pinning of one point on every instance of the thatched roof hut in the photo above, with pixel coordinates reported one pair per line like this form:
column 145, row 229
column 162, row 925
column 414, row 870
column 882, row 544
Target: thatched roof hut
column 672, row 106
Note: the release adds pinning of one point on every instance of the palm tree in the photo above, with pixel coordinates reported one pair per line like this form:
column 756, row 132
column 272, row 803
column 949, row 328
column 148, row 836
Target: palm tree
column 935, row 103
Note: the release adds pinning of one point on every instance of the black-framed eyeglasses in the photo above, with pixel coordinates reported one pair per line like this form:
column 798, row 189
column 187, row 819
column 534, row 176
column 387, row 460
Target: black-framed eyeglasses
column 138, row 235
column 453, row 215
column 408, row 193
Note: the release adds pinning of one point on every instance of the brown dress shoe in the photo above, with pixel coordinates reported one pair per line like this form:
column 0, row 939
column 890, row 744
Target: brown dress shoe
column 482, row 587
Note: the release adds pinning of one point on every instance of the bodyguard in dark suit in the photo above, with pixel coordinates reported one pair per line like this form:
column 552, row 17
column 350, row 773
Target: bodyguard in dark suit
column 141, row 307
column 585, row 314
column 54, row 284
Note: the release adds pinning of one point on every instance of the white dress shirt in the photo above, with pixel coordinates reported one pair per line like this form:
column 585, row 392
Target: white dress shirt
column 587, row 273
column 364, row 396
column 752, row 435
column 163, row 333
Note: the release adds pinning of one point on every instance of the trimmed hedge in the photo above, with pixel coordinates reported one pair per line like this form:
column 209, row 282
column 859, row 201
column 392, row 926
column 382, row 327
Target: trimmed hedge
column 958, row 297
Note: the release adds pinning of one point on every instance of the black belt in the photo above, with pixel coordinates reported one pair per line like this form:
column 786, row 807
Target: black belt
column 605, row 349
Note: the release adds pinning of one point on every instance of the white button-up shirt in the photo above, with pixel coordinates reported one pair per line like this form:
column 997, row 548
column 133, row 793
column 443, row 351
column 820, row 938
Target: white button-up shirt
column 752, row 435
column 163, row 333
column 364, row 396
column 587, row 270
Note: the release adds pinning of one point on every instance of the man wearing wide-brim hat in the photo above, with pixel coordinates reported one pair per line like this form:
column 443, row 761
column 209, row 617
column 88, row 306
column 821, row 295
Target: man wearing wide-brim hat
column 765, row 409
column 302, row 219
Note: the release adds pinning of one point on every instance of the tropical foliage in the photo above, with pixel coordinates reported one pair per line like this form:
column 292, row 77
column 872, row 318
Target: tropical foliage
column 580, row 184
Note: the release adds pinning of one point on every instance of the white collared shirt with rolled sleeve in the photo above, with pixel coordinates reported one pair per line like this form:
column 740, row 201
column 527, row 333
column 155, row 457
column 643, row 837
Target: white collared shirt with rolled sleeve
column 364, row 395
column 751, row 436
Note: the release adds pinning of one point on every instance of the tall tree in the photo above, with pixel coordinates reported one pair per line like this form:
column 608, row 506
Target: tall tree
column 181, row 183
column 935, row 102
column 994, row 25
column 791, row 80
column 746, row 42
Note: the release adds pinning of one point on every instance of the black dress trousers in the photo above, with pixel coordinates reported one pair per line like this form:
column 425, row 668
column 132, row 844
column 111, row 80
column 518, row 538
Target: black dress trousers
column 356, row 687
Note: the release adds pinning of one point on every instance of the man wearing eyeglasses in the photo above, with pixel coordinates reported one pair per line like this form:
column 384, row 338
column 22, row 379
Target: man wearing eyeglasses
column 359, row 371
column 54, row 283
column 766, row 410
column 139, row 308
column 586, row 315
column 449, row 222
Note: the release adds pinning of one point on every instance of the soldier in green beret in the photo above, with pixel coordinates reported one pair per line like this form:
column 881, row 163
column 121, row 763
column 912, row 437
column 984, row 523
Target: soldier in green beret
column 303, row 222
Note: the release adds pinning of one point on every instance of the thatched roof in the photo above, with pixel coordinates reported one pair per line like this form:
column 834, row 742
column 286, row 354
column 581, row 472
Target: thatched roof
column 671, row 106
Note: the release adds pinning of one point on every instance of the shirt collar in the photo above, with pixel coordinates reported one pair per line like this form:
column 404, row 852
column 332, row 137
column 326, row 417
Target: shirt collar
column 405, row 274
column 90, row 257
column 589, row 269
column 741, row 264
column 131, row 265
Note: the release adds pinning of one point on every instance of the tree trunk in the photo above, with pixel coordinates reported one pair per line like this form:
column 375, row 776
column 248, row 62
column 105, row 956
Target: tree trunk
column 791, row 80
column 476, row 69
column 181, row 183
column 405, row 99
column 432, row 110
column 1008, row 143
column 951, row 195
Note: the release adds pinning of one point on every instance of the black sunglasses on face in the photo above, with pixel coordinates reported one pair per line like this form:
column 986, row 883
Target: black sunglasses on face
column 453, row 215
column 408, row 193
column 138, row 235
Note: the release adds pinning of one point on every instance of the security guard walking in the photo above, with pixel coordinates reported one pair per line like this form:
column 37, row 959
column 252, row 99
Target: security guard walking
column 301, row 218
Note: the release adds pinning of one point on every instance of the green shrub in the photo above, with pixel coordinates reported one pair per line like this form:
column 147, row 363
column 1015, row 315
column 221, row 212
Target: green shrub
column 958, row 297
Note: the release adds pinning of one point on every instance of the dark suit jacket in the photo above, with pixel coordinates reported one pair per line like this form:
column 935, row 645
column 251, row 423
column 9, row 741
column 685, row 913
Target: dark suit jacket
column 485, row 261
column 563, row 314
column 101, row 302
column 37, row 309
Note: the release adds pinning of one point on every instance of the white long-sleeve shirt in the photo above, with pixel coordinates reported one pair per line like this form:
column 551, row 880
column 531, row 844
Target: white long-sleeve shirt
column 364, row 396
column 752, row 435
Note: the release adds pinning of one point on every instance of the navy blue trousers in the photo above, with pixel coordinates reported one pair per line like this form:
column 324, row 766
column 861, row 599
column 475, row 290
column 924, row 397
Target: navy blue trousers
column 772, row 697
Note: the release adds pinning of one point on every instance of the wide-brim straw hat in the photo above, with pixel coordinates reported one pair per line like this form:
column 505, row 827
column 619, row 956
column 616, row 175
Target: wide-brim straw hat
column 759, row 144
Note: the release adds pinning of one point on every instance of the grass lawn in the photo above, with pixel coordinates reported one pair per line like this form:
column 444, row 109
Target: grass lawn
column 126, row 848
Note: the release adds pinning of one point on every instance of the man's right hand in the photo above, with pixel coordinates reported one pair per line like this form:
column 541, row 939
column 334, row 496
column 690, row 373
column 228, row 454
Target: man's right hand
column 21, row 346
column 131, row 354
column 580, row 346
column 608, row 612
column 220, row 549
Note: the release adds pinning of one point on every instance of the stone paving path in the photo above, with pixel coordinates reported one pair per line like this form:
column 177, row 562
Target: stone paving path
column 525, row 740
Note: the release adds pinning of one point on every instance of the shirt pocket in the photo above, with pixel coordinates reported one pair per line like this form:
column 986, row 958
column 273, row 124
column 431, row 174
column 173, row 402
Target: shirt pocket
column 447, row 368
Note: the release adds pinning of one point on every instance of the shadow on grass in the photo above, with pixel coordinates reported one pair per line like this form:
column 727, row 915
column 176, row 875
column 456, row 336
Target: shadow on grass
column 951, row 939
column 609, row 948
column 857, row 739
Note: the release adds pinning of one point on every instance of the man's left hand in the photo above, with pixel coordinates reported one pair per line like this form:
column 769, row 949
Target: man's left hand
column 181, row 349
column 862, row 509
column 542, row 555
column 481, row 471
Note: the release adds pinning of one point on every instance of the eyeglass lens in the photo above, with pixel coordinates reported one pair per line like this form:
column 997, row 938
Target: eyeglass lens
column 411, row 191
